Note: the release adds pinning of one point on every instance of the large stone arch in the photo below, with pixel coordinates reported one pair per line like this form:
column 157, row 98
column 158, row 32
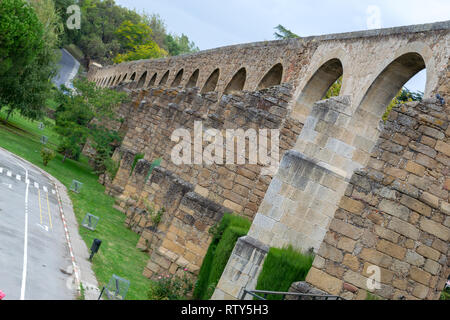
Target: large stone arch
column 390, row 81
column 317, row 86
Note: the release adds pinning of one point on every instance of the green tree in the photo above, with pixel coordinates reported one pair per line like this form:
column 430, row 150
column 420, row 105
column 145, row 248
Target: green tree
column 108, row 30
column 335, row 89
column 75, row 118
column 137, row 40
column 403, row 96
column 145, row 51
column 158, row 27
column 132, row 34
column 283, row 33
column 177, row 45
column 30, row 32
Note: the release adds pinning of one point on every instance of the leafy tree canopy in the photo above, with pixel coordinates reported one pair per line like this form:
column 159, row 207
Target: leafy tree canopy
column 110, row 33
column 76, row 113
column 30, row 32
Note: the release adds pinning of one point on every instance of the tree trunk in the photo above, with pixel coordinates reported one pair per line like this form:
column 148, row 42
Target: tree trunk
column 9, row 113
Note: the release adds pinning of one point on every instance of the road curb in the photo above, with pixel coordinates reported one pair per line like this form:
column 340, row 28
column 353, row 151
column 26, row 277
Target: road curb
column 76, row 271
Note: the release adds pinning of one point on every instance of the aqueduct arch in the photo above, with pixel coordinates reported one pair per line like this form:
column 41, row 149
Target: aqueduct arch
column 153, row 80
column 272, row 78
column 142, row 80
column 356, row 190
column 164, row 78
column 193, row 79
column 237, row 83
column 211, row 83
column 178, row 78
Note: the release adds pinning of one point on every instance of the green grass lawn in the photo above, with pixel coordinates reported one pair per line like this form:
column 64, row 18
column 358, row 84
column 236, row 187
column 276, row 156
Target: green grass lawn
column 118, row 254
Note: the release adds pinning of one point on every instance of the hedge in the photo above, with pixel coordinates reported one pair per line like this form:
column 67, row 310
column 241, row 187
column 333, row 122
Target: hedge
column 231, row 228
column 281, row 268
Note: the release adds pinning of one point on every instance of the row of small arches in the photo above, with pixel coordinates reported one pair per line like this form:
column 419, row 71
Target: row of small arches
column 272, row 78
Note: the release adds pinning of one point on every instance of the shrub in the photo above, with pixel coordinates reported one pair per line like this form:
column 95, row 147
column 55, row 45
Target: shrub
column 225, row 235
column 47, row 155
column 281, row 268
column 445, row 295
column 111, row 167
column 155, row 216
column 169, row 287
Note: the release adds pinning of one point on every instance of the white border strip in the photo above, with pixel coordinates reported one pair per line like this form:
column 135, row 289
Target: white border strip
column 76, row 271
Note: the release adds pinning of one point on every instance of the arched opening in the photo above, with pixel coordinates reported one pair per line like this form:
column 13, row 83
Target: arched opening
column 133, row 77
column 193, row 79
column 164, row 79
column 272, row 78
column 211, row 83
column 118, row 79
column 390, row 81
column 153, row 80
column 142, row 80
column 317, row 87
column 238, row 82
column 176, row 82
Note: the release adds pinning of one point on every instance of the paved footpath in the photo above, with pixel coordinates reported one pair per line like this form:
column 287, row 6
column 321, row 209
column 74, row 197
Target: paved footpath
column 40, row 258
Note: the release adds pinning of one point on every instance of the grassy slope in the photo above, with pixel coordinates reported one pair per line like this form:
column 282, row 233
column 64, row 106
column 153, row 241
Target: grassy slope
column 118, row 253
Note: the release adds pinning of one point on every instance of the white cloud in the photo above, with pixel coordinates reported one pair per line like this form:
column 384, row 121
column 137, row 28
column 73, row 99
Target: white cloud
column 373, row 17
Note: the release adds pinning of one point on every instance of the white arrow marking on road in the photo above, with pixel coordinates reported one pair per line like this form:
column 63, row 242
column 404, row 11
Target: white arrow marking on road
column 36, row 185
column 1, row 170
column 43, row 227
column 45, row 189
column 9, row 173
column 18, row 177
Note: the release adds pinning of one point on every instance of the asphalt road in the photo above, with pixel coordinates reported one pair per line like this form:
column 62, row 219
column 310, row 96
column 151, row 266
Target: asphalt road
column 33, row 249
column 68, row 68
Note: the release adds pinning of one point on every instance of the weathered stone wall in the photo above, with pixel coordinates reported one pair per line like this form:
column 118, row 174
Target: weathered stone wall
column 237, row 187
column 395, row 213
column 195, row 196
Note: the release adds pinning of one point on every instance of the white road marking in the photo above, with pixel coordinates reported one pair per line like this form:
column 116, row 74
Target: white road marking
column 43, row 227
column 9, row 173
column 18, row 177
column 45, row 189
column 27, row 181
column 1, row 170
column 8, row 185
column 36, row 185
column 53, row 191
column 25, row 240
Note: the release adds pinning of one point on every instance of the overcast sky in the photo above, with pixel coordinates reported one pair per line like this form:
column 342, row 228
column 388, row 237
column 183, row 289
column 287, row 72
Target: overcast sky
column 213, row 23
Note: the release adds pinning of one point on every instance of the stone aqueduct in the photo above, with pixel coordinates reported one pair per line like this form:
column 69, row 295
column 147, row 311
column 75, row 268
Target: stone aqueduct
column 357, row 190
